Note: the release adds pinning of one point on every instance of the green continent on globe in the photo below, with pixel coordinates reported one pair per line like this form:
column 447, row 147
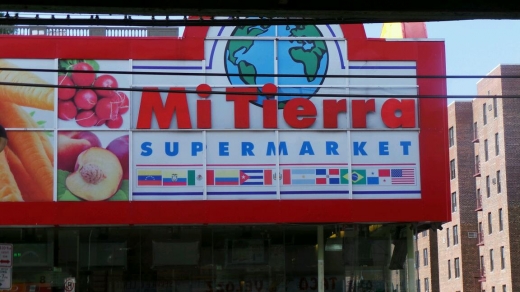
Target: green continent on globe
column 310, row 52
column 240, row 47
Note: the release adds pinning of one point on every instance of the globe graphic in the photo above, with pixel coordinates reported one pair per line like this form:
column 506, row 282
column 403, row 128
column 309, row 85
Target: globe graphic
column 249, row 58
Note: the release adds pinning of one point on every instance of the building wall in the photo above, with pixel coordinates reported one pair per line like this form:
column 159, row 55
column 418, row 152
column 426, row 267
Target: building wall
column 464, row 216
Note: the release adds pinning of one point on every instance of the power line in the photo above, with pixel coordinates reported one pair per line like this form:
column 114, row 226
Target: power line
column 187, row 91
column 265, row 75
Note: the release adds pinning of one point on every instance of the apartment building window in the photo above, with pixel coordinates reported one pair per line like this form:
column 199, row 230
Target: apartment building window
column 490, row 224
column 497, row 145
column 417, row 259
column 454, row 202
column 499, row 185
column 504, row 289
column 493, row 289
column 491, row 260
column 482, row 264
column 425, row 256
column 418, row 285
column 449, row 269
column 426, row 285
column 451, row 136
column 455, row 234
column 425, row 233
column 486, row 153
column 488, row 187
column 495, row 109
column 500, row 220
column 475, row 131
column 484, row 116
column 448, row 237
column 502, row 257
column 457, row 268
column 452, row 168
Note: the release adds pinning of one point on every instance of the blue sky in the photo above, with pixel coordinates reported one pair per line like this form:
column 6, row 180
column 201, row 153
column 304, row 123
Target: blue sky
column 473, row 47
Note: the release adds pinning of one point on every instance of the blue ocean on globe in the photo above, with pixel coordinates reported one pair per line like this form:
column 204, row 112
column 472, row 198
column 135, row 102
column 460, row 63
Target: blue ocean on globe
column 307, row 58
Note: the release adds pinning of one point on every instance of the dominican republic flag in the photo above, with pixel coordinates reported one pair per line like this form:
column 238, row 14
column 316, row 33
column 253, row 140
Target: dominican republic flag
column 256, row 177
column 403, row 176
column 327, row 176
column 147, row 177
column 178, row 177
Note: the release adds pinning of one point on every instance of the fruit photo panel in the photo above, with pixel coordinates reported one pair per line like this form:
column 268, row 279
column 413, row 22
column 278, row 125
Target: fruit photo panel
column 93, row 166
column 93, row 99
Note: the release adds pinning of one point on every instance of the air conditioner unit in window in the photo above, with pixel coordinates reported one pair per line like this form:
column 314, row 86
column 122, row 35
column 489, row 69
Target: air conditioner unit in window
column 472, row 234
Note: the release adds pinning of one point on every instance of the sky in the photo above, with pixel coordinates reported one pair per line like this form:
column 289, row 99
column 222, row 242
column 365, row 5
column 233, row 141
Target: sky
column 473, row 47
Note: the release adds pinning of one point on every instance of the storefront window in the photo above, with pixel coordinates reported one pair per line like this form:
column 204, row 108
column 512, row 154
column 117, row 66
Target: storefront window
column 208, row 258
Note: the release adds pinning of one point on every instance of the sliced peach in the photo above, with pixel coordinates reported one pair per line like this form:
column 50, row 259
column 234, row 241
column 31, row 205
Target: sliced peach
column 97, row 175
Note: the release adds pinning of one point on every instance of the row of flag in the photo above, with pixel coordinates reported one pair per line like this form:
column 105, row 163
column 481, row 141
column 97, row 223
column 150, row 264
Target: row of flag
column 265, row 177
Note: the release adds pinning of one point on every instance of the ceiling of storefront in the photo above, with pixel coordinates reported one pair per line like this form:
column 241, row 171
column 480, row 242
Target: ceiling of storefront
column 342, row 11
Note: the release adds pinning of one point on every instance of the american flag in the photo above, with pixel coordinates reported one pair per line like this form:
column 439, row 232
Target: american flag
column 404, row 176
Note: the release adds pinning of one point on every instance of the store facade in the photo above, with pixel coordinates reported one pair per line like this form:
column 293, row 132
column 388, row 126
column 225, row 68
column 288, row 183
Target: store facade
column 255, row 158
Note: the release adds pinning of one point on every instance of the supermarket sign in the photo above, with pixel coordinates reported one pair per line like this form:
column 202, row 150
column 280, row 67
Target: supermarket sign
column 228, row 119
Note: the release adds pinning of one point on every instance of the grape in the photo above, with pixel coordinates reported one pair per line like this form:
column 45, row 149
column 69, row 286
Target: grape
column 87, row 118
column 66, row 110
column 105, row 81
column 65, row 93
column 85, row 99
column 115, row 123
column 83, row 79
column 107, row 109
column 123, row 101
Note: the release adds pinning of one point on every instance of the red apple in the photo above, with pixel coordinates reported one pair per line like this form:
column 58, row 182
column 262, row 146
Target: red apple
column 120, row 147
column 71, row 144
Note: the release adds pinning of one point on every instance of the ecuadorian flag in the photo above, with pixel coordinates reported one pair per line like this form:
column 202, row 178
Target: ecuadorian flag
column 146, row 177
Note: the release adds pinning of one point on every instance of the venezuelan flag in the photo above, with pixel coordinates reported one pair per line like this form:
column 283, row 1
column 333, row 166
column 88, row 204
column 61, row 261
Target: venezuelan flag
column 146, row 177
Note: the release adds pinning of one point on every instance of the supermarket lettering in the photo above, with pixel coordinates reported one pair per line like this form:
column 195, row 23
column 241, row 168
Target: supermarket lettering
column 270, row 148
column 298, row 113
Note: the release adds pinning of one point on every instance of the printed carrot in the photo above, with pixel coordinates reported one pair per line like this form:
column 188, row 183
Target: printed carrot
column 49, row 150
column 36, row 97
column 9, row 191
column 29, row 191
column 28, row 147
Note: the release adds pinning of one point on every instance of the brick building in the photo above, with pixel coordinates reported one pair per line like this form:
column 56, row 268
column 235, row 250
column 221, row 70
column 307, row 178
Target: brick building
column 476, row 250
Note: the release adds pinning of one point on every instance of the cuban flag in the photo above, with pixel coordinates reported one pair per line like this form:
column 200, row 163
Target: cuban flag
column 256, row 177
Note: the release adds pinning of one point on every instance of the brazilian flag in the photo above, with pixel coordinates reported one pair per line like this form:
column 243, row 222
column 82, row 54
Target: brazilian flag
column 359, row 176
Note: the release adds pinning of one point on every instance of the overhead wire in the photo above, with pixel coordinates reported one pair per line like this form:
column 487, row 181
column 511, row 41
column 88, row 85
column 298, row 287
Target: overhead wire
column 183, row 90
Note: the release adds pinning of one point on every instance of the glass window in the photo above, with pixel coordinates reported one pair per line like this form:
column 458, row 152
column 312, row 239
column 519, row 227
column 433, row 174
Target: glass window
column 504, row 289
column 426, row 284
column 491, row 260
column 502, row 257
column 417, row 259
column 425, row 256
column 490, row 223
column 425, row 233
column 448, row 237
column 497, row 144
column 451, row 136
column 475, row 131
column 484, row 117
column 493, row 289
column 457, row 268
column 488, row 187
column 477, row 164
column 452, row 169
column 418, row 285
column 499, row 184
column 495, row 109
column 449, row 269
column 486, row 153
column 482, row 266
column 454, row 202
column 455, row 234
column 500, row 220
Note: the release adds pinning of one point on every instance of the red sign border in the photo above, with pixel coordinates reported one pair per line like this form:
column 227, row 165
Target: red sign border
column 432, row 207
